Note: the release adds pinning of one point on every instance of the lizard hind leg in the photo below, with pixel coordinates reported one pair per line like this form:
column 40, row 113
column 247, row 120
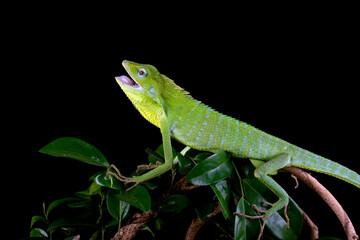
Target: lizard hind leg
column 262, row 172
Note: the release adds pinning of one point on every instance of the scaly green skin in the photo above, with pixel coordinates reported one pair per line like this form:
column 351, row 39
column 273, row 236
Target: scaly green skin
column 194, row 124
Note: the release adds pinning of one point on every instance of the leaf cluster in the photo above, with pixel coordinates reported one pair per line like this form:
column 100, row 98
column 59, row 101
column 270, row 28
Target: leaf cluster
column 100, row 211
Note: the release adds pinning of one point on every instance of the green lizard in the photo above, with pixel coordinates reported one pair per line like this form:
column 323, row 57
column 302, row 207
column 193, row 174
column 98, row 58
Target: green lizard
column 179, row 116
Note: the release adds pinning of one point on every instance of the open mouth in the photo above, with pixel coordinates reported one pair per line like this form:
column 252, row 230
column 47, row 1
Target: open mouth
column 127, row 81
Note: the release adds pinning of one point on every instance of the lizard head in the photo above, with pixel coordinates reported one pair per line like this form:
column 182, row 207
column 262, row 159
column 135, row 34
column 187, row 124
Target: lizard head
column 144, row 88
column 144, row 80
column 148, row 90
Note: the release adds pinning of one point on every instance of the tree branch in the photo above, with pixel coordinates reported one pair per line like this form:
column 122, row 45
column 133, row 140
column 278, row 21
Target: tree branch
column 314, row 231
column 197, row 223
column 129, row 231
column 328, row 198
column 183, row 185
column 134, row 224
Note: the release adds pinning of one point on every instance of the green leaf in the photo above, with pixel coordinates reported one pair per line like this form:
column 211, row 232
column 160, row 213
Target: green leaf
column 175, row 203
column 158, row 223
column 158, row 154
column 94, row 189
column 222, row 192
column 202, row 156
column 114, row 204
column 81, row 204
column 247, row 168
column 68, row 222
column 213, row 169
column 260, row 189
column 246, row 228
column 36, row 219
column 295, row 215
column 185, row 164
column 137, row 197
column 111, row 224
column 151, row 185
column 257, row 193
column 203, row 207
column 94, row 236
column 76, row 149
column 38, row 232
column 103, row 179
column 59, row 202
column 146, row 228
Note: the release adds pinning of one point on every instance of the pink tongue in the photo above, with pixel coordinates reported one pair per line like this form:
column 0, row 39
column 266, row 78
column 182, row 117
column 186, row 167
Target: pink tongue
column 126, row 80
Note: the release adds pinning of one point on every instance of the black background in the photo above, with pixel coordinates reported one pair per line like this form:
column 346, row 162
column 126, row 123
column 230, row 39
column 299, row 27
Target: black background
column 292, row 74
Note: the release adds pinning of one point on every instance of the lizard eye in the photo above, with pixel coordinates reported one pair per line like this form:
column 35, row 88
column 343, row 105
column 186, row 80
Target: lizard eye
column 142, row 73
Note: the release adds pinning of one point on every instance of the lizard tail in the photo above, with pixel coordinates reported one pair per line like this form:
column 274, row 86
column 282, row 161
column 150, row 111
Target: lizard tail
column 317, row 163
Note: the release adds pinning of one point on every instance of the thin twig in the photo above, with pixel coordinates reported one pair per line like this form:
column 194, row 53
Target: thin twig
column 223, row 230
column 328, row 198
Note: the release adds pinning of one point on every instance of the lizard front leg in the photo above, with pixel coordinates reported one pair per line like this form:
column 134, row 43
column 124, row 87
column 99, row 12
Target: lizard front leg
column 165, row 132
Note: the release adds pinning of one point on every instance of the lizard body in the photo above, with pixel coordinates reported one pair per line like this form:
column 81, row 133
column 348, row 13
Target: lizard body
column 181, row 117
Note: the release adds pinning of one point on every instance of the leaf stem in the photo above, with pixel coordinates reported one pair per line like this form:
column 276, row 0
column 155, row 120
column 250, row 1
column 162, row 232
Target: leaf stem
column 102, row 197
column 120, row 216
column 240, row 180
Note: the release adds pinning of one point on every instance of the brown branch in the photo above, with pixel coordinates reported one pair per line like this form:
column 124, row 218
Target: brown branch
column 134, row 224
column 314, row 231
column 183, row 185
column 129, row 231
column 328, row 198
column 197, row 223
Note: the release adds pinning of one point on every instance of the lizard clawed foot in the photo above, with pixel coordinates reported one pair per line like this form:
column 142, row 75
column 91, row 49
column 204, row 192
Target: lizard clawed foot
column 256, row 217
column 248, row 216
column 257, row 209
column 117, row 175
column 285, row 212
column 148, row 166
column 264, row 216
column 122, row 178
column 270, row 204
